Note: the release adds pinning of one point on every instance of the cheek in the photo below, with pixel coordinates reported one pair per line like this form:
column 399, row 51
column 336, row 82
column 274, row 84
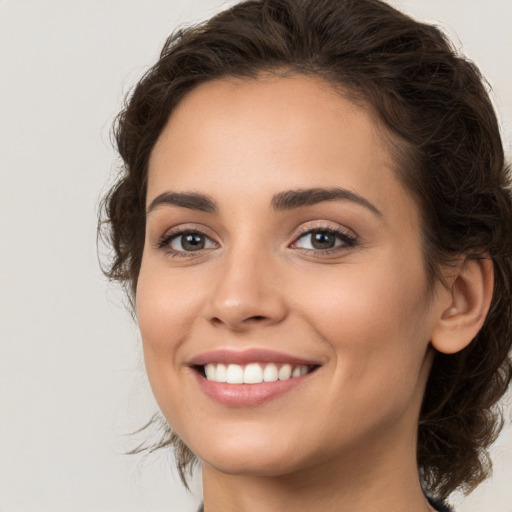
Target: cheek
column 164, row 310
column 375, row 322
column 163, row 314
column 364, row 298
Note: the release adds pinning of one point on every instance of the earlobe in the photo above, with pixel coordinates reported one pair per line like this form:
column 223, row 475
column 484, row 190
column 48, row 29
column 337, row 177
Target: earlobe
column 470, row 299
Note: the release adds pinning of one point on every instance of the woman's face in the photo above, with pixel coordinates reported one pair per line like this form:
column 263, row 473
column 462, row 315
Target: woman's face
column 279, row 240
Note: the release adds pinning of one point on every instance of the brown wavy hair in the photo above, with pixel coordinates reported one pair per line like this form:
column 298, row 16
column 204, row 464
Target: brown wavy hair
column 448, row 152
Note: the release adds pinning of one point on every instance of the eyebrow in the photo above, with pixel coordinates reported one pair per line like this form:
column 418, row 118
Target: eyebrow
column 287, row 200
column 189, row 200
column 299, row 198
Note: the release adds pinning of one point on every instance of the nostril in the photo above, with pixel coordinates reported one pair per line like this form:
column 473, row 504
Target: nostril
column 257, row 318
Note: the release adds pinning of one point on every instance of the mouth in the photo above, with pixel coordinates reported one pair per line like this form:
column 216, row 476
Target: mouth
column 250, row 377
column 253, row 373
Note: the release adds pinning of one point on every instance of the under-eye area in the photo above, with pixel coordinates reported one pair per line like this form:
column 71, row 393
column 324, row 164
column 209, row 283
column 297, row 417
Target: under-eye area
column 253, row 373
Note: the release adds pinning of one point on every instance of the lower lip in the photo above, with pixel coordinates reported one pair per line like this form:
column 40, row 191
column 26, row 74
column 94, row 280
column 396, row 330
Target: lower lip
column 246, row 395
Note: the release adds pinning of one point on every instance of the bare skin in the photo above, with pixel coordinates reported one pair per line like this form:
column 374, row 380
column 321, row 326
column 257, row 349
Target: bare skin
column 337, row 281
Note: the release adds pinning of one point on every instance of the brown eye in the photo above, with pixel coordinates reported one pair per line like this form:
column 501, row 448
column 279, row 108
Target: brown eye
column 322, row 240
column 190, row 242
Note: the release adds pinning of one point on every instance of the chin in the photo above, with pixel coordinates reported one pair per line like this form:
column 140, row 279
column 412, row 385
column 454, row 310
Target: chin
column 251, row 458
column 255, row 466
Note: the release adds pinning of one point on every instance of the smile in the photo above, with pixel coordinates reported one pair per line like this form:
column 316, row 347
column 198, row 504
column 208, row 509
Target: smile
column 249, row 377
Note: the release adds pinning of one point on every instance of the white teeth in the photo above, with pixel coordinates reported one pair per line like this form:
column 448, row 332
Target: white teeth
column 296, row 372
column 285, row 372
column 210, row 372
column 220, row 373
column 235, row 374
column 270, row 373
column 253, row 373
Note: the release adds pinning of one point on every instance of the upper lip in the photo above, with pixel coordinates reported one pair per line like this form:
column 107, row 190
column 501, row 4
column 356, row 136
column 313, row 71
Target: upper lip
column 253, row 355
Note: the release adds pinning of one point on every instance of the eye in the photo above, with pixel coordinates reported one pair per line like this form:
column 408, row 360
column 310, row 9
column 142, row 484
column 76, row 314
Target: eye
column 324, row 239
column 186, row 241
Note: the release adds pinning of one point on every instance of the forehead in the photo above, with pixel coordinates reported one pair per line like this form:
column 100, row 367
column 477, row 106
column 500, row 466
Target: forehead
column 268, row 134
column 296, row 109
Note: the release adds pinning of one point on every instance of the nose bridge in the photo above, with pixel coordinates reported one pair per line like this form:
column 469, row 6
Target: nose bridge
column 246, row 289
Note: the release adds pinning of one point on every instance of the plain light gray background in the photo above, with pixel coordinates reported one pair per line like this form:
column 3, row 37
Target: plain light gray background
column 71, row 382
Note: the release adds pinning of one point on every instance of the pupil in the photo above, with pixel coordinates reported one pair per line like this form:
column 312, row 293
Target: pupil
column 192, row 242
column 323, row 240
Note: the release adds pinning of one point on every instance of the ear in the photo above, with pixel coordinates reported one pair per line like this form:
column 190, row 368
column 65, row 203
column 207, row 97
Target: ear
column 470, row 298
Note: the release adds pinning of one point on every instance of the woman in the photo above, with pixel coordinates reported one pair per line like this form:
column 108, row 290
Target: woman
column 314, row 225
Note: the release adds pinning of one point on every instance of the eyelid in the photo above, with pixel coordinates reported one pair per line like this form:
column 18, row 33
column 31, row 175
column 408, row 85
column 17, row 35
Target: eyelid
column 324, row 225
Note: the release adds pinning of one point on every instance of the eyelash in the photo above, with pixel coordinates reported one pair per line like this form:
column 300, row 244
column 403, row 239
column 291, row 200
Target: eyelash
column 165, row 241
column 348, row 241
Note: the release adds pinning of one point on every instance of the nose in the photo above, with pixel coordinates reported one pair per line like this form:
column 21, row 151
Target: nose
column 245, row 293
